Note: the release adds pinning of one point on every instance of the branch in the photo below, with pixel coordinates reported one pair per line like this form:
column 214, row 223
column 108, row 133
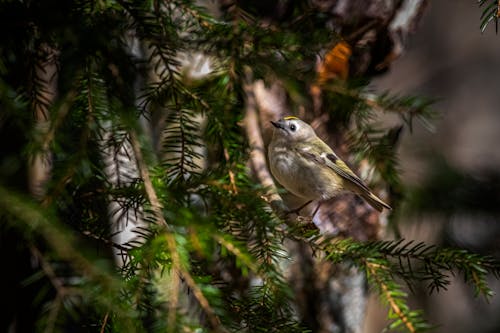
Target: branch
column 258, row 160
column 148, row 185
column 177, row 266
column 35, row 221
column 371, row 267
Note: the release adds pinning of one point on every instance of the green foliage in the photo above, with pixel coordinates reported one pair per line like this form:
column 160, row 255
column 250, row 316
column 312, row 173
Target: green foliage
column 132, row 137
column 388, row 262
column 355, row 103
column 490, row 13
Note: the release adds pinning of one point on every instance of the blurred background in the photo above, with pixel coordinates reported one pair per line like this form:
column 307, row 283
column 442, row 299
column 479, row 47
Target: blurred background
column 452, row 168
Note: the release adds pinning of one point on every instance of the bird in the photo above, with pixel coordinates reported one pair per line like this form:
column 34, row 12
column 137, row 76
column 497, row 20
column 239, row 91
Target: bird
column 308, row 168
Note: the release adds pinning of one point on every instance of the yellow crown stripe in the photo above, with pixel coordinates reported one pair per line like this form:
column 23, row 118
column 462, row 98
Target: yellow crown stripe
column 290, row 118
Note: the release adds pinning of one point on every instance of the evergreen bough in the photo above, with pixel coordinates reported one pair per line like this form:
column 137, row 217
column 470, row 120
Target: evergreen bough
column 210, row 255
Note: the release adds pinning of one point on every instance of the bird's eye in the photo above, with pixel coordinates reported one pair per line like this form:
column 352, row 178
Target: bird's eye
column 293, row 127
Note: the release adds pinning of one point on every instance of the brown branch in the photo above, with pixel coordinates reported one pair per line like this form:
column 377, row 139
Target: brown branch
column 392, row 303
column 104, row 323
column 62, row 242
column 177, row 267
column 232, row 180
column 174, row 298
column 258, row 160
column 236, row 252
column 148, row 185
column 84, row 138
column 61, row 114
column 55, row 281
column 49, row 272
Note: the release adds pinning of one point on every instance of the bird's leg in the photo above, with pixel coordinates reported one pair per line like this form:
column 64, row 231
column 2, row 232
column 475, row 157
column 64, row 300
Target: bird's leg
column 316, row 210
column 297, row 210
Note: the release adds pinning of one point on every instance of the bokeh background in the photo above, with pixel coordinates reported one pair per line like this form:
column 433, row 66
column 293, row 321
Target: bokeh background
column 452, row 168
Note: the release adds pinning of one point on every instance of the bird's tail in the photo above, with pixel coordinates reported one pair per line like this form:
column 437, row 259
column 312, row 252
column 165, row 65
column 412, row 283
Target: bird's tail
column 375, row 201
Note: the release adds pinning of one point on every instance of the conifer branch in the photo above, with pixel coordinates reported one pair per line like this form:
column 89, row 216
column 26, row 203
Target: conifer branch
column 177, row 266
column 232, row 180
column 104, row 323
column 388, row 294
column 63, row 244
column 222, row 247
column 61, row 290
column 237, row 252
column 491, row 12
column 148, row 185
column 87, row 98
column 61, row 115
column 106, row 241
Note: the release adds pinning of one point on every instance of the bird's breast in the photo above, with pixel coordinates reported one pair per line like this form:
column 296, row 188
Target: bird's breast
column 305, row 178
column 295, row 174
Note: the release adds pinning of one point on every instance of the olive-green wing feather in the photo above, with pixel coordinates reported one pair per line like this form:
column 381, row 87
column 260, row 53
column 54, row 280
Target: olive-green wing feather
column 337, row 165
column 321, row 153
column 329, row 159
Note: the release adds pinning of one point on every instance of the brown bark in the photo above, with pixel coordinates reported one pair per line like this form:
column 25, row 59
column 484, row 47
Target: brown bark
column 44, row 93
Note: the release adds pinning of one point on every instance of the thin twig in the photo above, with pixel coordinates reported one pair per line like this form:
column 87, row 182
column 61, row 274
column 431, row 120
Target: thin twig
column 106, row 241
column 177, row 267
column 232, row 180
column 104, row 322
column 61, row 114
column 49, row 272
column 236, row 252
column 54, row 312
column 148, row 185
column 392, row 303
column 61, row 291
column 173, row 298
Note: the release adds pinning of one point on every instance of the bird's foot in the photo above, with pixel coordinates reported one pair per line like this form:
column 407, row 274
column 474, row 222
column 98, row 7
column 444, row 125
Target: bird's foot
column 297, row 210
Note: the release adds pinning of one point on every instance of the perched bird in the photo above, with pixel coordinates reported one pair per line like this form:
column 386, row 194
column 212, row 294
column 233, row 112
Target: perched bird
column 308, row 168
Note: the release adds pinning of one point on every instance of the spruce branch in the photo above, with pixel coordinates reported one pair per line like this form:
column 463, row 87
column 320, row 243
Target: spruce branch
column 106, row 241
column 396, row 299
column 104, row 323
column 36, row 222
column 365, row 102
column 88, row 100
column 62, row 112
column 413, row 263
column 178, row 268
column 230, row 245
column 491, row 12
column 61, row 241
column 180, row 142
column 202, row 224
column 148, row 185
column 408, row 107
column 61, row 291
column 417, row 262
column 232, row 180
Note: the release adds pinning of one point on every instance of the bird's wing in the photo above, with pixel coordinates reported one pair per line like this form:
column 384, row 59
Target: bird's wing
column 329, row 159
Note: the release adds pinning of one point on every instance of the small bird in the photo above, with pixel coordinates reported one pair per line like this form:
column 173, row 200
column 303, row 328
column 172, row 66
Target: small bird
column 308, row 168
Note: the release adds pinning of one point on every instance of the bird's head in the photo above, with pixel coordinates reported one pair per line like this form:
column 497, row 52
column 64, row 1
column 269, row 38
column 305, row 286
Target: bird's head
column 292, row 129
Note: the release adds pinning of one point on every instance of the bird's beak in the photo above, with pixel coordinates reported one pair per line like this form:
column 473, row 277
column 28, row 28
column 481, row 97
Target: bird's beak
column 277, row 125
